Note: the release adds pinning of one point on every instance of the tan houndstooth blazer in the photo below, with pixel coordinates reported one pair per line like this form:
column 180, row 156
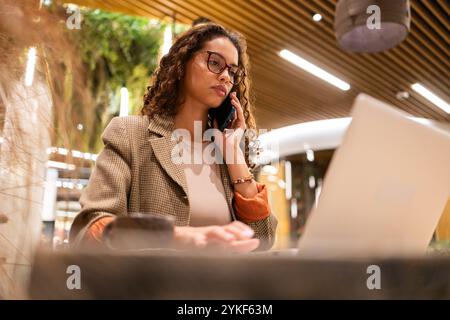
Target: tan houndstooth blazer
column 135, row 173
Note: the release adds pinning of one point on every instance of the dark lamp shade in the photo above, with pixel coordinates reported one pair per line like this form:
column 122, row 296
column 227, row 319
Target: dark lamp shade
column 354, row 34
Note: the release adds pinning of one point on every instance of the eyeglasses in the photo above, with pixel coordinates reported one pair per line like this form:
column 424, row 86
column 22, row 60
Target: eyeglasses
column 216, row 64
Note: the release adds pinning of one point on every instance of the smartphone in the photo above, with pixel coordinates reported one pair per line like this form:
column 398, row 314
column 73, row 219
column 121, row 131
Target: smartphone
column 223, row 113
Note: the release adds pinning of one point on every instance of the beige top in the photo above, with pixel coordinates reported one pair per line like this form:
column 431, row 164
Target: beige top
column 207, row 202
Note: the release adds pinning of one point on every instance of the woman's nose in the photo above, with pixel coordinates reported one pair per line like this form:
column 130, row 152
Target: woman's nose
column 225, row 76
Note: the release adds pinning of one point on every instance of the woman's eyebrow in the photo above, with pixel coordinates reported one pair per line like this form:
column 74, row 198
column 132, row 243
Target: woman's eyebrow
column 232, row 64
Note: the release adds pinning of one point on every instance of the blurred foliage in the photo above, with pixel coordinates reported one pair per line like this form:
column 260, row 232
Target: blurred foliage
column 118, row 50
column 439, row 247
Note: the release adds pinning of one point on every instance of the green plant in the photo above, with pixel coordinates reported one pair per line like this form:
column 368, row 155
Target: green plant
column 440, row 247
column 118, row 50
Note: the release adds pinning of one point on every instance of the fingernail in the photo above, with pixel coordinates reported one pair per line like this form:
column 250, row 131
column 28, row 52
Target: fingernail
column 248, row 233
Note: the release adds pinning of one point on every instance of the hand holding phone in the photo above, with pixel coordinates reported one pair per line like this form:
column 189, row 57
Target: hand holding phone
column 224, row 114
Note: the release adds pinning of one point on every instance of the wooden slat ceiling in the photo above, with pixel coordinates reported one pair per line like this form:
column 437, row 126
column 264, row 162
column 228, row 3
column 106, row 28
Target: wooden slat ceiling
column 287, row 95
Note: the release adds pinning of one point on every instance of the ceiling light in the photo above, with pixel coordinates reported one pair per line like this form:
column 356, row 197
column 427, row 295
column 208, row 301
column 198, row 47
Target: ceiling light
column 315, row 70
column 317, row 17
column 60, row 165
column 430, row 96
column 371, row 25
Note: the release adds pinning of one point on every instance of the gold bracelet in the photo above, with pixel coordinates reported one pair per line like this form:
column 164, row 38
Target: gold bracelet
column 244, row 179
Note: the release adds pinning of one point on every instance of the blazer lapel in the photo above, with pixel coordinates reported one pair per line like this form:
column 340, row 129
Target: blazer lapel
column 162, row 147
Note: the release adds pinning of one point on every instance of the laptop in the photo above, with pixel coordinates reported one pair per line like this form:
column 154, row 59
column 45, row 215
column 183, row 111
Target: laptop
column 385, row 189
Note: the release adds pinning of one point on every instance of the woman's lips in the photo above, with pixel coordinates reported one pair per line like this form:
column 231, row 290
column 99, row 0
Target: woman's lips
column 219, row 92
column 220, row 89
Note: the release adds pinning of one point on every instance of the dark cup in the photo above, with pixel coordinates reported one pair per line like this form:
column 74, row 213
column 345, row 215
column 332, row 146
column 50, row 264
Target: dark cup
column 138, row 231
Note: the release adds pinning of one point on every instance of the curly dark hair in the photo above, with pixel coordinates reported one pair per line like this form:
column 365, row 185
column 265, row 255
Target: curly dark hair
column 164, row 95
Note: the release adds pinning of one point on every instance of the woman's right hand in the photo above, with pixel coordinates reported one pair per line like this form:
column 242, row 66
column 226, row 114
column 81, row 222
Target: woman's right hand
column 233, row 237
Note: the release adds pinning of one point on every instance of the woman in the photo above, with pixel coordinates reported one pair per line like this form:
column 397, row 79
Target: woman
column 212, row 205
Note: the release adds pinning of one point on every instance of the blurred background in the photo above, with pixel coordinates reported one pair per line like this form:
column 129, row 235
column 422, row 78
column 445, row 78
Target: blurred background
column 68, row 67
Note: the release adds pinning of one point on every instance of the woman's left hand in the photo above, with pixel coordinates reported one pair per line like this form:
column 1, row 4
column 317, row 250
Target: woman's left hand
column 232, row 135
